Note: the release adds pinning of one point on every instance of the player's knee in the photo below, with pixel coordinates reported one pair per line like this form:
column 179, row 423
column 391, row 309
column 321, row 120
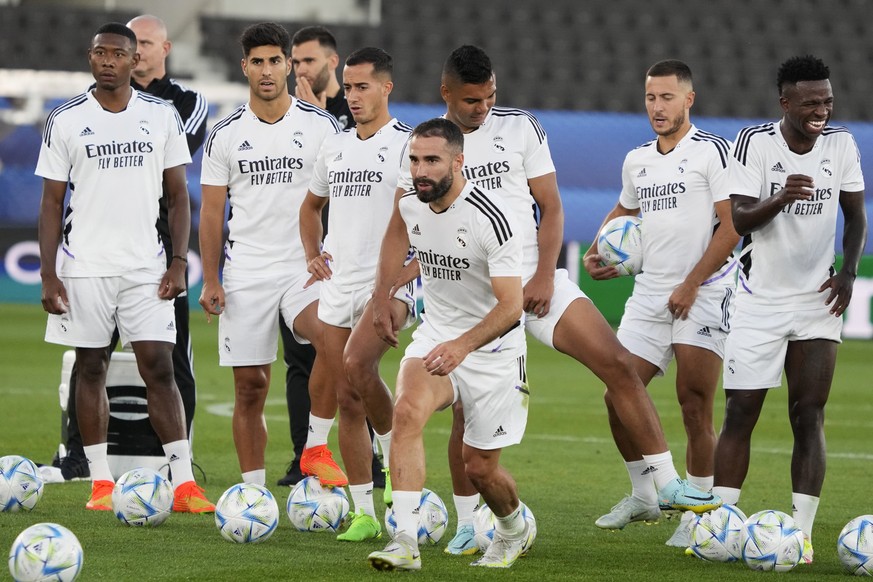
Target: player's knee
column 408, row 415
column 349, row 402
column 478, row 471
column 357, row 367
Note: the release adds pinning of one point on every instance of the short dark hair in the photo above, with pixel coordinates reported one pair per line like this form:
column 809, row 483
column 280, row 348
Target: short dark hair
column 670, row 67
column 119, row 29
column 381, row 61
column 797, row 69
column 265, row 34
column 441, row 127
column 319, row 33
column 469, row 64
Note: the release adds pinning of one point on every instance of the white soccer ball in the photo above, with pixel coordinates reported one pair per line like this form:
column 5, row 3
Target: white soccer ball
column 20, row 484
column 483, row 526
column 717, row 536
column 620, row 244
column 142, row 496
column 314, row 507
column 246, row 513
column 433, row 517
column 855, row 546
column 771, row 541
column 45, row 551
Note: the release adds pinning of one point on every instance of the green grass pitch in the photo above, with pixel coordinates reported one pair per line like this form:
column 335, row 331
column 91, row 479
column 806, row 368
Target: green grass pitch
column 567, row 469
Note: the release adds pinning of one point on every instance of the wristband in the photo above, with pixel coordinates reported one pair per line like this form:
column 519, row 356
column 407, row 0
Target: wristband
column 181, row 258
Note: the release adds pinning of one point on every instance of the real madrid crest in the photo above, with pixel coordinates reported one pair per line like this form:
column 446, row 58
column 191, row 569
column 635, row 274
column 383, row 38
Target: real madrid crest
column 497, row 145
column 144, row 127
column 461, row 238
column 382, row 155
column 297, row 139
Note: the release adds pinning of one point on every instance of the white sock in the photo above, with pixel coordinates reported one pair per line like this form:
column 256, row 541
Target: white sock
column 511, row 526
column 179, row 456
column 98, row 463
column 319, row 428
column 384, row 441
column 729, row 495
column 405, row 514
column 642, row 482
column 702, row 483
column 362, row 499
column 803, row 508
column 661, row 468
column 465, row 505
column 256, row 477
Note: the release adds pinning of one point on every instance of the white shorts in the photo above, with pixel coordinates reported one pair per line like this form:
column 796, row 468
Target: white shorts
column 756, row 348
column 248, row 329
column 648, row 329
column 99, row 304
column 342, row 308
column 566, row 292
column 493, row 390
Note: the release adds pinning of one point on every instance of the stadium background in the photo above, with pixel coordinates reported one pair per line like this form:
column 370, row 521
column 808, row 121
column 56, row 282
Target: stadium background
column 578, row 66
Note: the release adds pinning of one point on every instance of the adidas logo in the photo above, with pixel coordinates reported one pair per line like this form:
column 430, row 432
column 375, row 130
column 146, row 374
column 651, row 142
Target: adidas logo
column 173, row 457
column 244, row 146
column 171, row 326
column 339, row 157
column 642, row 173
column 499, row 432
column 86, row 131
column 778, row 168
column 704, row 331
column 415, row 230
column 311, row 429
column 649, row 470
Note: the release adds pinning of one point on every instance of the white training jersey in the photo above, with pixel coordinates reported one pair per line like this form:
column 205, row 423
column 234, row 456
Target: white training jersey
column 114, row 163
column 360, row 177
column 506, row 151
column 676, row 194
column 784, row 263
column 266, row 168
column 459, row 250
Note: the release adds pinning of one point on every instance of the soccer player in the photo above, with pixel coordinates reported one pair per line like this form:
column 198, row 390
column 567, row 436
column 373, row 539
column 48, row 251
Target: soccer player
column 681, row 301
column 357, row 171
column 314, row 61
column 506, row 150
column 470, row 348
column 150, row 76
column 119, row 150
column 260, row 157
column 786, row 181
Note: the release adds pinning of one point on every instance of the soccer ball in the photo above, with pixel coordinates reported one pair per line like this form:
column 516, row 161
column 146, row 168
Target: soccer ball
column 433, row 517
column 246, row 513
column 20, row 484
column 45, row 551
column 855, row 546
column 142, row 497
column 717, row 536
column 483, row 526
column 313, row 507
column 620, row 244
column 771, row 541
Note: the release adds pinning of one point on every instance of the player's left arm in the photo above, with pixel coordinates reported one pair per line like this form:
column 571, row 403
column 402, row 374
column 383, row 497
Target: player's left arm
column 550, row 236
column 854, row 239
column 723, row 242
column 179, row 217
column 395, row 246
column 446, row 356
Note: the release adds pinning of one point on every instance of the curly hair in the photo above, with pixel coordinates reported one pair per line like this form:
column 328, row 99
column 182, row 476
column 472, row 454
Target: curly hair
column 797, row 69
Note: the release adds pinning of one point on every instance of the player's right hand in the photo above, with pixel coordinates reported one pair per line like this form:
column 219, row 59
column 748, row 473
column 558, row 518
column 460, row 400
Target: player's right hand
column 212, row 300
column 54, row 296
column 797, row 187
column 304, row 92
column 383, row 321
column 319, row 268
column 596, row 269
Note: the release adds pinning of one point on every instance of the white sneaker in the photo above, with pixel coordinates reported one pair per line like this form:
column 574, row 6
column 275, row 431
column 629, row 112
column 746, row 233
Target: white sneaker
column 681, row 538
column 401, row 554
column 627, row 510
column 503, row 552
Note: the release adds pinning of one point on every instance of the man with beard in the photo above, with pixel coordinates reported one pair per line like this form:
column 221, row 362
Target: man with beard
column 470, row 347
column 681, row 301
column 357, row 171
